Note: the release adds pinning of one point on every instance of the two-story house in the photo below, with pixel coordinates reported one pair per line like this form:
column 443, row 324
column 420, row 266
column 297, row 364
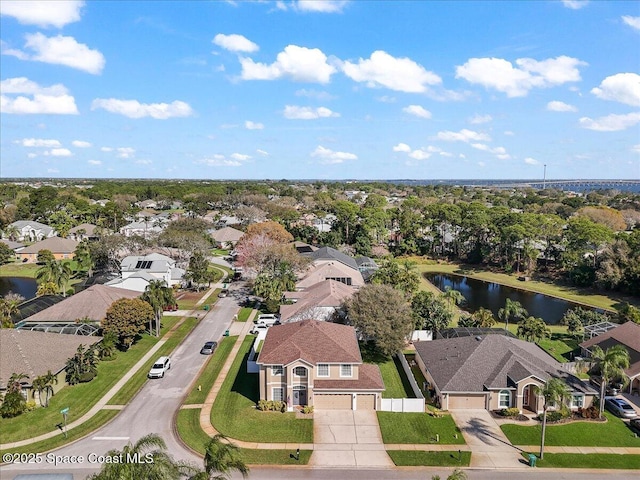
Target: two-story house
column 318, row 364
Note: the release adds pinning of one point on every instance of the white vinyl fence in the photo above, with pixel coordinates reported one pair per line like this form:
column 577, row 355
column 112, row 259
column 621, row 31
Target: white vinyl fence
column 402, row 405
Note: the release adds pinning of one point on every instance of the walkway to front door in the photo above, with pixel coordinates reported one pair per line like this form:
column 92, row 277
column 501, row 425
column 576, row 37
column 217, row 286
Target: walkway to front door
column 348, row 438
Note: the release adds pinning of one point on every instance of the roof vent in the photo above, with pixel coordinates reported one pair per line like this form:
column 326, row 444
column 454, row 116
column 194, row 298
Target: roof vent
column 478, row 338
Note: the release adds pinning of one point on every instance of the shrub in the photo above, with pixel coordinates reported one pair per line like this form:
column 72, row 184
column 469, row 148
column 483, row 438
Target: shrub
column 554, row 416
column 12, row 405
column 272, row 406
column 30, row 406
column 87, row 377
column 307, row 409
column 591, row 412
column 509, row 412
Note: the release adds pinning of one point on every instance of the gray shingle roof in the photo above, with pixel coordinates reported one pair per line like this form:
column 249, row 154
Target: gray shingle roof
column 474, row 364
column 328, row 253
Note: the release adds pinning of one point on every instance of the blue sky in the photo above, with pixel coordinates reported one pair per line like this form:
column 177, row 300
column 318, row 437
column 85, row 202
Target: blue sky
column 320, row 89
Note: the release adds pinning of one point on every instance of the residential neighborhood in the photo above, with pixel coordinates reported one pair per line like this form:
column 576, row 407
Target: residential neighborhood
column 357, row 356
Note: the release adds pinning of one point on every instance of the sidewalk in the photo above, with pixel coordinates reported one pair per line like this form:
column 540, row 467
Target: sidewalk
column 102, row 403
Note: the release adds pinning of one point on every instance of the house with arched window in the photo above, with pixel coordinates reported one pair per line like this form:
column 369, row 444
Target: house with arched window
column 493, row 372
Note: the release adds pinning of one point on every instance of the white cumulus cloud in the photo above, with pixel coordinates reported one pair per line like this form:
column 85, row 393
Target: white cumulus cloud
column 39, row 142
column 516, row 81
column 94, row 162
column 621, row 87
column 417, row 111
column 135, row 109
column 558, row 106
column 328, row 156
column 479, row 119
column 235, row 43
column 531, row 161
column 45, row 100
column 241, row 157
column 633, row 22
column 81, row 144
column 321, row 6
column 420, row 154
column 249, row 125
column 384, row 70
column 402, row 147
column 59, row 152
column 575, row 4
column 463, row 135
column 611, row 123
column 59, row 50
column 126, row 152
column 301, row 64
column 43, row 13
column 294, row 112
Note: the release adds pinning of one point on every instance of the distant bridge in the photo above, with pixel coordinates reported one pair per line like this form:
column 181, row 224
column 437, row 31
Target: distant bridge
column 576, row 185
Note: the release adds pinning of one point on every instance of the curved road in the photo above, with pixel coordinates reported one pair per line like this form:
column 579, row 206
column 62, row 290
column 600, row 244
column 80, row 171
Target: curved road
column 153, row 408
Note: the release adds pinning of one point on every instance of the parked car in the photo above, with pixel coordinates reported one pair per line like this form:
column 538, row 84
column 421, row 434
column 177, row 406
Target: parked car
column 160, row 367
column 208, row 348
column 266, row 319
column 223, row 293
column 258, row 328
column 620, row 407
column 612, row 389
column 635, row 424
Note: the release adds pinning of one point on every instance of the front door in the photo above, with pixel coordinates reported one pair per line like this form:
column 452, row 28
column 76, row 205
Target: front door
column 299, row 396
column 525, row 396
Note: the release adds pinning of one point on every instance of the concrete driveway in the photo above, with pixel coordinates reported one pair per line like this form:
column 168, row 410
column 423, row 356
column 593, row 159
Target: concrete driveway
column 490, row 448
column 346, row 438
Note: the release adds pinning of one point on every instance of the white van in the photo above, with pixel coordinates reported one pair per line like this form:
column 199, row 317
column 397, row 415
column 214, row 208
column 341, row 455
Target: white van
column 160, row 367
column 267, row 319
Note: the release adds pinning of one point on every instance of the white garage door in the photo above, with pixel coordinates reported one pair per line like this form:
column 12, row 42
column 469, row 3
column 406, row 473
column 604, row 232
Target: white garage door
column 332, row 402
column 457, row 402
column 366, row 402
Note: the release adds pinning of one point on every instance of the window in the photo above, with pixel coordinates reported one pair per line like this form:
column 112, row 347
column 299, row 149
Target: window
column 277, row 370
column 345, row 370
column 504, row 399
column 300, row 372
column 577, row 400
column 278, row 394
column 323, row 369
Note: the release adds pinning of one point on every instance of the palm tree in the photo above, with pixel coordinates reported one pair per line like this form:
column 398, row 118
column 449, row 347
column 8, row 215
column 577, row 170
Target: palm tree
column 44, row 386
column 554, row 391
column 512, row 310
column 55, row 272
column 9, row 306
column 483, row 317
column 221, row 458
column 158, row 295
column 533, row 329
column 146, row 459
column 457, row 474
column 611, row 364
column 82, row 256
column 454, row 297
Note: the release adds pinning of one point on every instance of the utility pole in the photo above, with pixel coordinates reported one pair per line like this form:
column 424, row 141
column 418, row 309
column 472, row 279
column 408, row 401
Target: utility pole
column 544, row 177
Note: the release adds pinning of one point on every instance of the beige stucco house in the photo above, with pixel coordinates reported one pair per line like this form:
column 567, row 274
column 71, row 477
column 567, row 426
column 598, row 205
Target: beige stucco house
column 493, row 372
column 62, row 249
column 317, row 364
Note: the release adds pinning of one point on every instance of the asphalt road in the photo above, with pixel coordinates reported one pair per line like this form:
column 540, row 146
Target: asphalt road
column 152, row 410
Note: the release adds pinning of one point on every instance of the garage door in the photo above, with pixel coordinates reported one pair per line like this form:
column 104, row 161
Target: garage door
column 467, row 401
column 332, row 402
column 366, row 402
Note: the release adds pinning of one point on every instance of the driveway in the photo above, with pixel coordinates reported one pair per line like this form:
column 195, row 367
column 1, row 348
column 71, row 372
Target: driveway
column 490, row 448
column 347, row 438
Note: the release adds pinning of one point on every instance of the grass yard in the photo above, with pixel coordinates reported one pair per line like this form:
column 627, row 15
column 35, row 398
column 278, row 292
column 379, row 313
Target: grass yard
column 395, row 381
column 607, row 461
column 418, row 428
column 416, row 458
column 234, row 413
column 188, row 300
column 189, row 430
column 135, row 383
column 79, row 398
column 211, row 371
column 613, row 433
column 243, row 314
column 99, row 419
column 274, row 457
column 19, row 269
column 560, row 346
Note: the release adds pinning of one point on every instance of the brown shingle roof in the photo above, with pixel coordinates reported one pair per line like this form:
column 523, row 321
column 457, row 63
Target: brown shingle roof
column 54, row 244
column 34, row 353
column 628, row 335
column 311, row 341
column 91, row 303
column 227, row 234
column 328, row 293
column 369, row 378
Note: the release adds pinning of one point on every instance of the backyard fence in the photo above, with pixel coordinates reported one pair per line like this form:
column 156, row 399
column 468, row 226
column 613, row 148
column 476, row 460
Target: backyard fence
column 405, row 404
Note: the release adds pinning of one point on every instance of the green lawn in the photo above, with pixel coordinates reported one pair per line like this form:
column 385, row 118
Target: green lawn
column 129, row 389
column 243, row 314
column 395, row 381
column 79, row 398
column 560, row 346
column 211, row 371
column 418, row 428
column 416, row 458
column 234, row 413
column 189, row 430
column 99, row 419
column 19, row 269
column 274, row 457
column 606, row 461
column 189, row 301
column 613, row 433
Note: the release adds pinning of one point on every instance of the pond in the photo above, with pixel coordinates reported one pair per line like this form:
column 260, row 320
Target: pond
column 479, row 293
column 27, row 287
